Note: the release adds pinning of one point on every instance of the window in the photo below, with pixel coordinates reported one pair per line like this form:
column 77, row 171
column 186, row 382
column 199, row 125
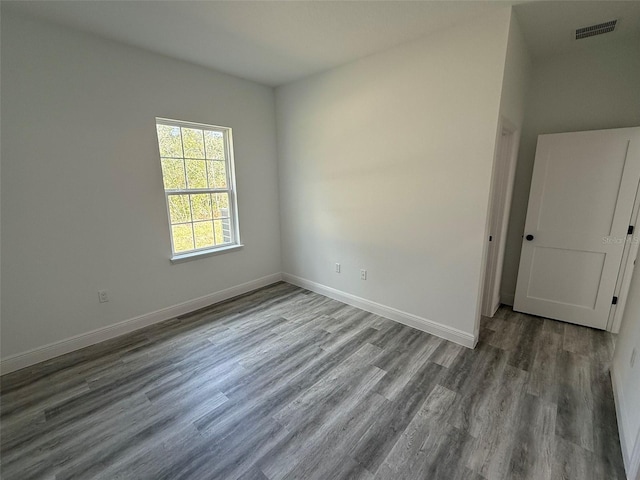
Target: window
column 199, row 187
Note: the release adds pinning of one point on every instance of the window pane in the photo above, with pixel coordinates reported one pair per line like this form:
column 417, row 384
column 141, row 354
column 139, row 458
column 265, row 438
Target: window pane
column 215, row 144
column 201, row 206
column 196, row 174
column 193, row 143
column 217, row 224
column 182, row 238
column 173, row 173
column 217, row 174
column 204, row 234
column 179, row 210
column 220, row 204
column 195, row 161
column 169, row 141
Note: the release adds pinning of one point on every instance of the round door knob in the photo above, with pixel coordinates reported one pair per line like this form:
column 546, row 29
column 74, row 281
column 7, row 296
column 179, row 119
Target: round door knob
column 529, row 237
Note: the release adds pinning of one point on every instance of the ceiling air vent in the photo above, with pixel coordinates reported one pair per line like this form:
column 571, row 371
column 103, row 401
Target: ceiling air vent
column 598, row 29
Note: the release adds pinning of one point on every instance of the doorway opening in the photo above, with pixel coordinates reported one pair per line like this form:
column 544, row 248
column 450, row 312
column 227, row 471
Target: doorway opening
column 499, row 207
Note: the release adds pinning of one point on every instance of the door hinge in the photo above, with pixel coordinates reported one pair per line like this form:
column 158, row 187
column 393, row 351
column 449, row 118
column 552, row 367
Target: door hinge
column 614, row 301
column 630, row 231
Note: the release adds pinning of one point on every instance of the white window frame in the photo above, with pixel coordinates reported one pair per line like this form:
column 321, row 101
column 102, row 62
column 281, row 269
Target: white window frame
column 177, row 257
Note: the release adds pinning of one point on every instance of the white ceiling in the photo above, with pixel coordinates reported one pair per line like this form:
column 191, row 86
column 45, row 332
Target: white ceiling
column 279, row 41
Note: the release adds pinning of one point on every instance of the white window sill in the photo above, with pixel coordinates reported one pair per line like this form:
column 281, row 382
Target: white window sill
column 204, row 253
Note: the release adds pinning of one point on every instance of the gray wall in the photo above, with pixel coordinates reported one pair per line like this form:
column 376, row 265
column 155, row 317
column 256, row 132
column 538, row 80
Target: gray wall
column 517, row 74
column 82, row 198
column 385, row 164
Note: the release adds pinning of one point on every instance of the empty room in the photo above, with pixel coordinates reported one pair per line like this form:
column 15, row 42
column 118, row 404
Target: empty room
column 275, row 240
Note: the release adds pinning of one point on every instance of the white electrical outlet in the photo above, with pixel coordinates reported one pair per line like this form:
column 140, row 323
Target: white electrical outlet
column 633, row 357
column 337, row 268
column 363, row 274
column 103, row 296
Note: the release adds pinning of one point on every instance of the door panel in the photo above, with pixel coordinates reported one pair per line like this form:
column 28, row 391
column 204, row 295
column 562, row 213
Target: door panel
column 549, row 281
column 585, row 204
column 582, row 194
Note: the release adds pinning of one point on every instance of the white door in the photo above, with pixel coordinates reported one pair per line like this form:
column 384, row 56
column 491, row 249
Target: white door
column 582, row 195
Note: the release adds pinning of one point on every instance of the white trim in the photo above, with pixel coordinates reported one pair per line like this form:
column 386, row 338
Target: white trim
column 46, row 352
column 171, row 122
column 52, row 350
column 630, row 453
column 502, row 182
column 625, row 273
column 448, row 333
column 192, row 255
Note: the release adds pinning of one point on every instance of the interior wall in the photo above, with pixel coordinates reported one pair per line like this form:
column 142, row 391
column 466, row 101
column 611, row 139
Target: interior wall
column 83, row 205
column 626, row 377
column 515, row 85
column 385, row 165
column 587, row 90
column 517, row 73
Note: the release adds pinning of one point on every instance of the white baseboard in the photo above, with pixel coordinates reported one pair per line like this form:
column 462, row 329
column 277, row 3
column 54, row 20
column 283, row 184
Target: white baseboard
column 453, row 334
column 46, row 352
column 52, row 350
column 630, row 453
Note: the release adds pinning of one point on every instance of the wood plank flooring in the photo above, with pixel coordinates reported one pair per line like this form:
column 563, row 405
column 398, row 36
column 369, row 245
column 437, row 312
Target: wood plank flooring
column 283, row 383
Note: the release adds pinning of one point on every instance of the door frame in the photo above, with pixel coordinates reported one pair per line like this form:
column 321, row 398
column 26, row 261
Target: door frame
column 502, row 181
column 627, row 266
